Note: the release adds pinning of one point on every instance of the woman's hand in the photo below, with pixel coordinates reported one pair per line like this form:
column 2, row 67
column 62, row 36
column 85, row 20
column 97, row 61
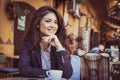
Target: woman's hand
column 53, row 40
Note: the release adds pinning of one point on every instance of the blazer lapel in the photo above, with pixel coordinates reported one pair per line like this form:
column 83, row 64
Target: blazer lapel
column 38, row 56
column 52, row 56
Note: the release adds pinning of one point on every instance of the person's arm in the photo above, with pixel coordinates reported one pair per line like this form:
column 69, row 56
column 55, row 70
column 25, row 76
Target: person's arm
column 94, row 50
column 25, row 64
column 62, row 58
column 64, row 63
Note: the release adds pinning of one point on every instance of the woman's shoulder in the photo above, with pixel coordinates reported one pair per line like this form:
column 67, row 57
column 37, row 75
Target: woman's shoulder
column 28, row 43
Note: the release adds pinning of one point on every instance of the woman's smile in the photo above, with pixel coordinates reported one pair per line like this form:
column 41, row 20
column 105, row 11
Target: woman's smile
column 51, row 30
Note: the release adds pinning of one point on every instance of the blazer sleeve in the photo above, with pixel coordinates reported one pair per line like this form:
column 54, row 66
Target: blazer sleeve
column 25, row 67
column 64, row 63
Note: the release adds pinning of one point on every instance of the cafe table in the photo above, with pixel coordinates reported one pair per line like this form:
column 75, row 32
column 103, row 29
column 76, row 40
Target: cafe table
column 22, row 78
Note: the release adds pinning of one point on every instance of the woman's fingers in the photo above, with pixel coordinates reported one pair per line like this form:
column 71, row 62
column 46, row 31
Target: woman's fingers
column 48, row 38
column 45, row 39
column 53, row 40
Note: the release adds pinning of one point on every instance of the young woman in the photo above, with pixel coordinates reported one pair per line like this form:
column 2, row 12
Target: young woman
column 43, row 46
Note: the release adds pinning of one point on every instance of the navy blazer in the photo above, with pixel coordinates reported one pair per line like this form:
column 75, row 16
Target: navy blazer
column 30, row 64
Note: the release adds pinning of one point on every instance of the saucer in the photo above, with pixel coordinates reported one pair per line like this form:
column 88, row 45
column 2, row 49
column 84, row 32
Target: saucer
column 47, row 78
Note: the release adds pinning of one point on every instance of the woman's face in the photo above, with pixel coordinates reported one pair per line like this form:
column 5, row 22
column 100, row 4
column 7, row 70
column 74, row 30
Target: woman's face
column 48, row 24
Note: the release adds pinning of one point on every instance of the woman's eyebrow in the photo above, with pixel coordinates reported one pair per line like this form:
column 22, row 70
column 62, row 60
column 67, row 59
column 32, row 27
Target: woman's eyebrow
column 49, row 18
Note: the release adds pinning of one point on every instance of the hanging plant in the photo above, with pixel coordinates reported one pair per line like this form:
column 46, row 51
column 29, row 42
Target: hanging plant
column 14, row 10
column 18, row 11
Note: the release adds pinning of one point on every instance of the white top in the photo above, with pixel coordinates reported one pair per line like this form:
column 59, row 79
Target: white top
column 45, row 56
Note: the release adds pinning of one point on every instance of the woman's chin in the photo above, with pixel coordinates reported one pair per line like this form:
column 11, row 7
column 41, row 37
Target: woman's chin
column 49, row 34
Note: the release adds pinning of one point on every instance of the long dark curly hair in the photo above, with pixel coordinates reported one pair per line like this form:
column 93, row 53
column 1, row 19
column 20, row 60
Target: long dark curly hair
column 33, row 33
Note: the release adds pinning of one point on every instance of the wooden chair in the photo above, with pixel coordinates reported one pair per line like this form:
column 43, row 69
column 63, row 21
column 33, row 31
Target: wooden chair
column 94, row 67
column 5, row 70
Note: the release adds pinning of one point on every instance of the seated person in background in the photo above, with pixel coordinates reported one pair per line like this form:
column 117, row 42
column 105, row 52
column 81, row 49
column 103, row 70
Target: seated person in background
column 75, row 60
column 80, row 50
column 99, row 49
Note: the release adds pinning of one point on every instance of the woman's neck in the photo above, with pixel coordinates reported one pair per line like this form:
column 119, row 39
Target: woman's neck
column 45, row 45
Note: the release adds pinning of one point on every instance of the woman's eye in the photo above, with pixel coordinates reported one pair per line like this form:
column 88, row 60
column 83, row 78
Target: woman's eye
column 47, row 20
column 56, row 22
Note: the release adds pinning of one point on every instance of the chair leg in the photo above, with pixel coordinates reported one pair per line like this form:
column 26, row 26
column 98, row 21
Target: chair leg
column 3, row 75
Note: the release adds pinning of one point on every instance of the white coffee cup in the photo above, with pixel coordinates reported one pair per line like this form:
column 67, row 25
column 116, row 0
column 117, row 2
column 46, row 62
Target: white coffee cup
column 54, row 74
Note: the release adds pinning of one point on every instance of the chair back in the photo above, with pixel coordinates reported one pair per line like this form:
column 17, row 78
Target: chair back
column 5, row 70
column 3, row 60
column 94, row 67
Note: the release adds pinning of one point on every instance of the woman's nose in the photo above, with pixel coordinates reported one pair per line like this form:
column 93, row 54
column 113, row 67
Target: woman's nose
column 52, row 24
